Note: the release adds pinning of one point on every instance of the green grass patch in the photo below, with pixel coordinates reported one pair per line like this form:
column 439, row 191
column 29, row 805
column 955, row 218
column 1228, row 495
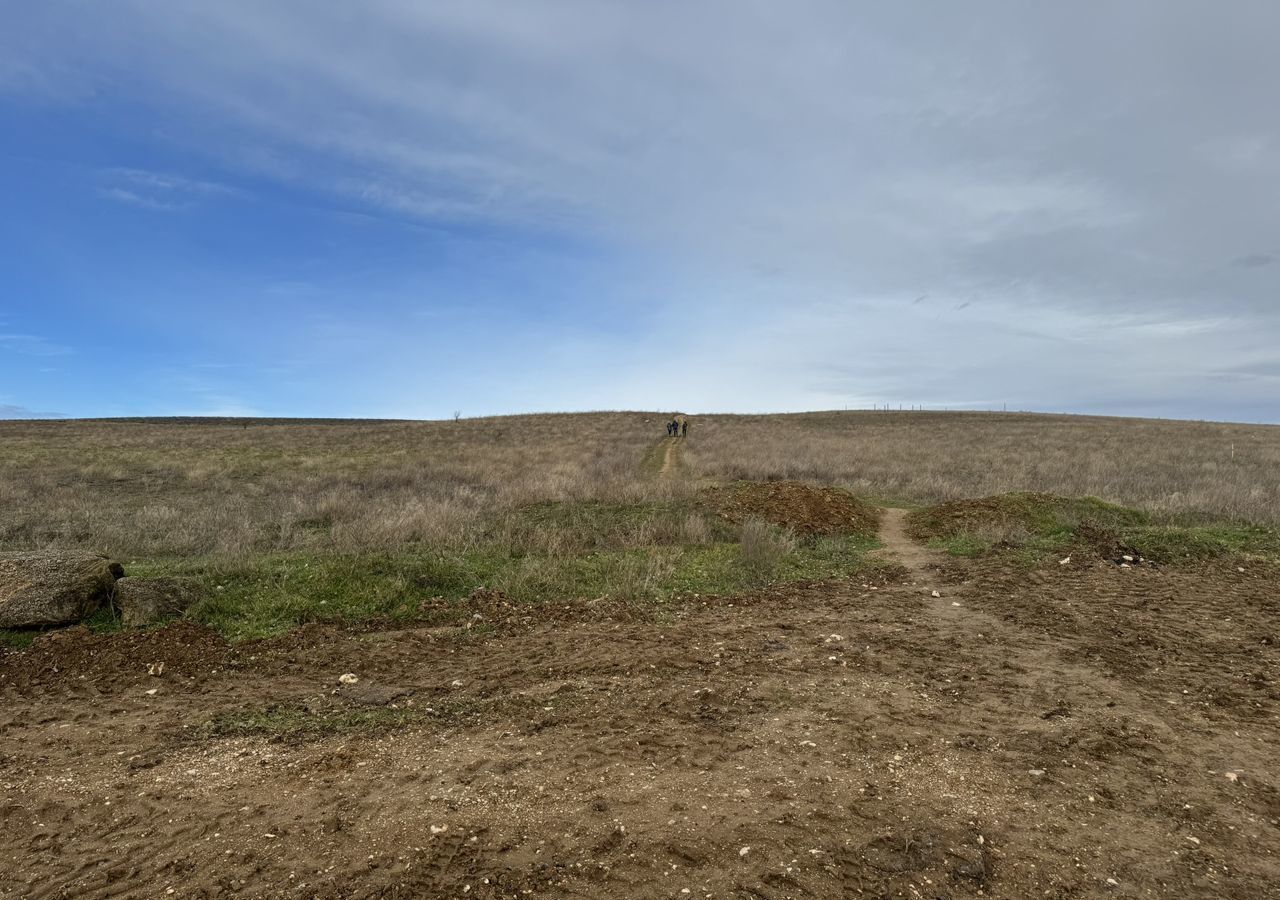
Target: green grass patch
column 1168, row 544
column 290, row 723
column 1029, row 527
column 269, row 594
column 17, row 639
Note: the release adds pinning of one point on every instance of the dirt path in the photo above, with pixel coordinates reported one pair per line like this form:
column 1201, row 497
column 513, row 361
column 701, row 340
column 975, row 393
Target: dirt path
column 1079, row 733
column 670, row 458
column 901, row 548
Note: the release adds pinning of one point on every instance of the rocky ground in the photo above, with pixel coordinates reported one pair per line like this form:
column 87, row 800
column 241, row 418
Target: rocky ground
column 1074, row 731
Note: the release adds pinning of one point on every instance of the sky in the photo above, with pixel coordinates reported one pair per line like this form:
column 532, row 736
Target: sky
column 400, row 208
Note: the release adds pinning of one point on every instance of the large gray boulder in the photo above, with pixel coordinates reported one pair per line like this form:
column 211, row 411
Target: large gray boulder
column 44, row 588
column 142, row 601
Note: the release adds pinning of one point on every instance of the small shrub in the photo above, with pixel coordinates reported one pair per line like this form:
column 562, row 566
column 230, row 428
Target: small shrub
column 763, row 548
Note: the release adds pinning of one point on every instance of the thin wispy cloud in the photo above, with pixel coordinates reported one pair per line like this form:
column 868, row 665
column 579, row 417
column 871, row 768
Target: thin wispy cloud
column 158, row 191
column 32, row 345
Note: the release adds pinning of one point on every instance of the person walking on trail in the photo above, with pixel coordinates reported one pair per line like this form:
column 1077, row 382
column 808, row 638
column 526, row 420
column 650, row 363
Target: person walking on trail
column 684, row 428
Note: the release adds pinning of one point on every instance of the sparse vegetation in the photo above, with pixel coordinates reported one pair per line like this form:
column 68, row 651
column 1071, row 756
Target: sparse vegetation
column 1176, row 472
column 1037, row 524
column 294, row 522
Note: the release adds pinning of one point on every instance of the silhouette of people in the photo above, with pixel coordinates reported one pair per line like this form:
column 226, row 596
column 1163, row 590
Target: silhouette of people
column 684, row 428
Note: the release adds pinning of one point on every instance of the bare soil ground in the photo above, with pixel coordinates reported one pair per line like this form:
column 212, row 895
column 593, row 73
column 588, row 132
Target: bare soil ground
column 1076, row 731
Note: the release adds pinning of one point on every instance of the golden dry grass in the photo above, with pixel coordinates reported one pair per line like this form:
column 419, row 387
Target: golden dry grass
column 1172, row 469
column 159, row 487
column 169, row 488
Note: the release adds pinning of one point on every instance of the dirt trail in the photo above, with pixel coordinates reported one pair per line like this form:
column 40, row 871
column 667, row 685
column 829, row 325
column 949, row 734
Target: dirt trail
column 899, row 546
column 1091, row 732
column 670, row 458
column 924, row 566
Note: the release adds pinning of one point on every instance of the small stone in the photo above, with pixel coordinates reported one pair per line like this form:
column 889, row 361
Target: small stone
column 152, row 692
column 457, row 682
column 1231, row 776
column 348, row 678
column 744, row 851
column 1036, row 772
column 934, row 594
column 954, row 603
column 1063, row 562
column 439, row 829
column 1113, row 882
column 1194, row 840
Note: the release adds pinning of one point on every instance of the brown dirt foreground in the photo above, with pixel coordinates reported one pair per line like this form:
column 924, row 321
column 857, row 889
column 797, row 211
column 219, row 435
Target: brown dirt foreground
column 1080, row 732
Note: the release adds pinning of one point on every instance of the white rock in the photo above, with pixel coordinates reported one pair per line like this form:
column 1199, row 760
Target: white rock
column 934, row 594
column 1063, row 562
column 1035, row 772
column 1112, row 882
column 348, row 678
column 439, row 829
column 744, row 851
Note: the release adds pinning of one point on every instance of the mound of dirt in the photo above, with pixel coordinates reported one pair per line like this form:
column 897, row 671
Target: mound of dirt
column 803, row 508
column 1026, row 511
column 184, row 648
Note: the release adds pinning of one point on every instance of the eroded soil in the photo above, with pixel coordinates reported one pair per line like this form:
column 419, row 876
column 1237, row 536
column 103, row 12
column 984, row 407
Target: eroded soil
column 1076, row 732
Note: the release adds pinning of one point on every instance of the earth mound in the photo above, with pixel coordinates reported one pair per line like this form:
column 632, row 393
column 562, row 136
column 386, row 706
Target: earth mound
column 803, row 508
column 184, row 648
column 1085, row 520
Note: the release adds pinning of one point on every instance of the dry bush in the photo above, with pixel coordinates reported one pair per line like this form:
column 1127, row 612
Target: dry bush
column 763, row 548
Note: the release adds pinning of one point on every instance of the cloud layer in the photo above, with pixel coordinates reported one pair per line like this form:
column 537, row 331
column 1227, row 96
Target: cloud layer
column 742, row 205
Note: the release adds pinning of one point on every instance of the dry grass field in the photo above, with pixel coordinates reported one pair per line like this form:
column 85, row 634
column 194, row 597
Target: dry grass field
column 1180, row 471
column 788, row 656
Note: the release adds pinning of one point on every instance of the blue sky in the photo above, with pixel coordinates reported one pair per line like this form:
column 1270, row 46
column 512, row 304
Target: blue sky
column 406, row 209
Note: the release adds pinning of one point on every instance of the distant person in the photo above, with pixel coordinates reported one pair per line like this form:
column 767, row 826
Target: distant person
column 684, row 428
